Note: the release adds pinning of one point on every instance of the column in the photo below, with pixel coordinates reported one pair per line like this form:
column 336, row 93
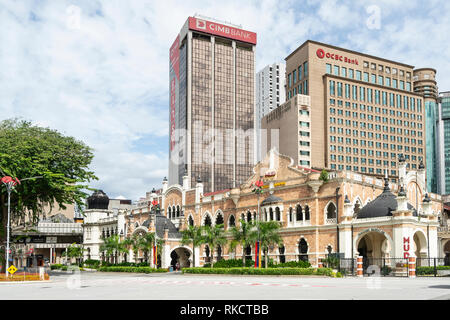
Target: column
column 359, row 263
column 412, row 266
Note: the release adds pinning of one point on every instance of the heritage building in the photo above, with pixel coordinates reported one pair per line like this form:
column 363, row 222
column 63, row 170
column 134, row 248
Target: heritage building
column 212, row 119
column 350, row 213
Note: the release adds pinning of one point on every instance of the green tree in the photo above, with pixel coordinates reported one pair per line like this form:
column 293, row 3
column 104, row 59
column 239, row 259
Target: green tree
column 75, row 251
column 268, row 236
column 63, row 163
column 192, row 235
column 110, row 246
column 241, row 236
column 323, row 175
column 214, row 236
column 133, row 242
column 146, row 243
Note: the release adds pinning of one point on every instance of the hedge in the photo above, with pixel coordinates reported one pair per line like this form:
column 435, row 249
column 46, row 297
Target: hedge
column 92, row 263
column 230, row 263
column 131, row 269
column 261, row 271
column 291, row 264
column 20, row 277
column 430, row 270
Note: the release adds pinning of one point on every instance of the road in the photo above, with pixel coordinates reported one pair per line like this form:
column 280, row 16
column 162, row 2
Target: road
column 126, row 286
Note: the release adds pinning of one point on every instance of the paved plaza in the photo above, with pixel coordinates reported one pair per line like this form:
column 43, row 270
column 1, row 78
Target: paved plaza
column 175, row 286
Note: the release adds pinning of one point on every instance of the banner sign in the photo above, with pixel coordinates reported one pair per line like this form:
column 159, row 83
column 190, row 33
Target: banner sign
column 222, row 30
column 257, row 255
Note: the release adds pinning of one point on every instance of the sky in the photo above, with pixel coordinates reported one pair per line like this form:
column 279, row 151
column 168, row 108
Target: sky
column 99, row 70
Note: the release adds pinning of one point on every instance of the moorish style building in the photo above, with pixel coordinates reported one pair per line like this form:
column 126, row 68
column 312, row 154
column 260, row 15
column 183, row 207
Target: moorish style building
column 348, row 213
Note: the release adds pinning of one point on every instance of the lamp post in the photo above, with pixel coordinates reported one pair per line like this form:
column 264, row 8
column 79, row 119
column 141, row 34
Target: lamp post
column 258, row 191
column 10, row 183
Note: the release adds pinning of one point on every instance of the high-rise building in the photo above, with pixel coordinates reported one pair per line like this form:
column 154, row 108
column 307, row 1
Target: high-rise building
column 444, row 142
column 287, row 128
column 365, row 111
column 425, row 84
column 269, row 94
column 212, row 104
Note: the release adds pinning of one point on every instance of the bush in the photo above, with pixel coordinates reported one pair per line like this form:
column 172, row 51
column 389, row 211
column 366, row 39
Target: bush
column 55, row 266
column 131, row 269
column 430, row 270
column 291, row 264
column 64, row 268
column 338, row 275
column 91, row 263
column 261, row 271
column 232, row 263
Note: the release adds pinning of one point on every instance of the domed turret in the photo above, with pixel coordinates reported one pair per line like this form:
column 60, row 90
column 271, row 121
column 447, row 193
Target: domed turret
column 98, row 200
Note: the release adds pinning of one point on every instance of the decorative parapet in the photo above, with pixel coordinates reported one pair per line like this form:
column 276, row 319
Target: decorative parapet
column 315, row 185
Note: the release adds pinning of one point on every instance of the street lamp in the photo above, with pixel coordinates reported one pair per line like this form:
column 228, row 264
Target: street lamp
column 258, row 190
column 10, row 183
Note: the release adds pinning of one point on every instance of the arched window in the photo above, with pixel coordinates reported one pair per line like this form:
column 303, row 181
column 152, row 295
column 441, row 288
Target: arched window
column 265, row 214
column 271, row 214
column 329, row 249
column 243, row 216
column 219, row 253
column 307, row 214
column 254, row 215
column 232, row 221
column 249, row 216
column 281, row 250
column 290, row 214
column 207, row 252
column 299, row 213
column 277, row 214
column 331, row 211
column 178, row 211
column 356, row 208
column 174, row 211
column 219, row 219
column 303, row 250
column 207, row 220
column 191, row 221
column 169, row 212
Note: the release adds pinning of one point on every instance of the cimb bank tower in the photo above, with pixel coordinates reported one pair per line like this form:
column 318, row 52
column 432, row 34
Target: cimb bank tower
column 212, row 104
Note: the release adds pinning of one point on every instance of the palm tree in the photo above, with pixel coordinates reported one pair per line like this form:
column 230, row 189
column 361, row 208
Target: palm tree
column 192, row 234
column 146, row 243
column 110, row 245
column 213, row 237
column 133, row 242
column 268, row 236
column 241, row 236
column 159, row 246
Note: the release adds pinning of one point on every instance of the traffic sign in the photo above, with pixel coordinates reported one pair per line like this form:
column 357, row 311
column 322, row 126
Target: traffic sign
column 12, row 269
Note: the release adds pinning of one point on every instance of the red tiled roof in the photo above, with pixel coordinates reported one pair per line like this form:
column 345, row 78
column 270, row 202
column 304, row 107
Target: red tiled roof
column 215, row 192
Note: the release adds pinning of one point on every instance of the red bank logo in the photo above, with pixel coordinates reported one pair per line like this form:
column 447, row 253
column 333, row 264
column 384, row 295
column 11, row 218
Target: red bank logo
column 201, row 24
column 322, row 54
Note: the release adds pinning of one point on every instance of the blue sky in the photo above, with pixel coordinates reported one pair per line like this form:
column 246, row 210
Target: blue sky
column 98, row 70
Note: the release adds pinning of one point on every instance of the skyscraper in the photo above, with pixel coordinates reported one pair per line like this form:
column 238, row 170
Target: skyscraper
column 211, row 104
column 444, row 142
column 366, row 111
column 270, row 93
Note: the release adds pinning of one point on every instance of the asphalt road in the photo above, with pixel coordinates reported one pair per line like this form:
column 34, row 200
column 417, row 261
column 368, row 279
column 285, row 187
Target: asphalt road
column 173, row 286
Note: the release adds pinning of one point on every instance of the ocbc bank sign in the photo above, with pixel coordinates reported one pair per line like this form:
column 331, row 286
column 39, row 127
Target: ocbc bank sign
column 334, row 56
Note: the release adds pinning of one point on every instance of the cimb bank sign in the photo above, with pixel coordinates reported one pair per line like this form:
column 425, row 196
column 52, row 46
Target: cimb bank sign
column 222, row 30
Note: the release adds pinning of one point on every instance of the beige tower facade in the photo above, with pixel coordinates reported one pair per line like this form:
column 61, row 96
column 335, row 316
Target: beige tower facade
column 364, row 111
